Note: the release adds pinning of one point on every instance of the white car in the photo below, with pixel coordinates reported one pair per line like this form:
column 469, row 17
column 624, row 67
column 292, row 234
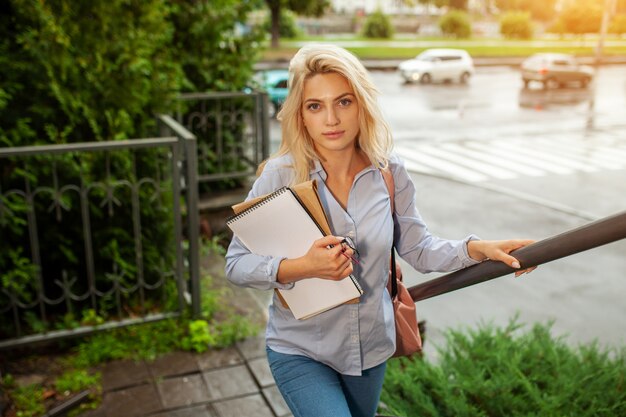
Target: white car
column 438, row 65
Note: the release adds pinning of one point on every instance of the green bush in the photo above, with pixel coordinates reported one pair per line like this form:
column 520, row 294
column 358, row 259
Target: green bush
column 507, row 372
column 378, row 25
column 287, row 25
column 516, row 25
column 456, row 23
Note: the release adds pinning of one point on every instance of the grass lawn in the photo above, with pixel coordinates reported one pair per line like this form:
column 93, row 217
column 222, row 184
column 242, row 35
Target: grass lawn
column 404, row 48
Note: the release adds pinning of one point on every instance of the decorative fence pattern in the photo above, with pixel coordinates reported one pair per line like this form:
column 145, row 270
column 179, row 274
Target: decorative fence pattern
column 232, row 130
column 100, row 279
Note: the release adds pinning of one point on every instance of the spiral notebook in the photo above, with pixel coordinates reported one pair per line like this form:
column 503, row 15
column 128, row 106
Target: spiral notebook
column 280, row 225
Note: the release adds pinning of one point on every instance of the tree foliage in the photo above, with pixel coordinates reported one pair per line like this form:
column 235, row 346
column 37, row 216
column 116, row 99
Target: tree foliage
column 618, row 24
column 74, row 71
column 581, row 16
column 544, row 10
column 458, row 4
column 302, row 7
column 212, row 45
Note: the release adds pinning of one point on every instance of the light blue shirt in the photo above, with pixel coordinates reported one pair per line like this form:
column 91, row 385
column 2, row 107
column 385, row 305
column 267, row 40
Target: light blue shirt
column 351, row 337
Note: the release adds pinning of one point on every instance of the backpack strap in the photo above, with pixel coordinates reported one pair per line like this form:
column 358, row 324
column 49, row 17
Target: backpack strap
column 393, row 269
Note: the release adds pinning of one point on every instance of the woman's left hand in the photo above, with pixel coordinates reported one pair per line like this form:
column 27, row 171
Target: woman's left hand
column 498, row 250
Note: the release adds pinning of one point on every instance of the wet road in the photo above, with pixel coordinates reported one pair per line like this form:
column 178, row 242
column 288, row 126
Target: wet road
column 565, row 146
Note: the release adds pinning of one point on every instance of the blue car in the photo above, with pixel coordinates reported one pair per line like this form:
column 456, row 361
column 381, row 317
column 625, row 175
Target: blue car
column 274, row 82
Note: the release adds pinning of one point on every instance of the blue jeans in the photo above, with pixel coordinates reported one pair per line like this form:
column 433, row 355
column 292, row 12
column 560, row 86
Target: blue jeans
column 312, row 389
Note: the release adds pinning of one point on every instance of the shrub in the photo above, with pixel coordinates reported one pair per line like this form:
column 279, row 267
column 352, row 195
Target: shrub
column 456, row 23
column 516, row 25
column 378, row 25
column 504, row 371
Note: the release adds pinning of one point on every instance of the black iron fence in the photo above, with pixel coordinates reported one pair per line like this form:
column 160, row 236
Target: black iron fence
column 83, row 191
column 232, row 130
column 85, row 196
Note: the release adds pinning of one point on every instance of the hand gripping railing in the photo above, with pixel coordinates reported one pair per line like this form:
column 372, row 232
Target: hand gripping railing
column 592, row 235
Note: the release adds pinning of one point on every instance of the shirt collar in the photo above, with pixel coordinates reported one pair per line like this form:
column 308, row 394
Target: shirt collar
column 319, row 169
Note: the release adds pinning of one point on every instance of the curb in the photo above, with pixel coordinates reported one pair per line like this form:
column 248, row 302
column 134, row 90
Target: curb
column 392, row 64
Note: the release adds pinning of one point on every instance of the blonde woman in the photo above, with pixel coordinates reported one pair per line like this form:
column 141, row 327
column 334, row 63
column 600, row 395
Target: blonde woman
column 333, row 364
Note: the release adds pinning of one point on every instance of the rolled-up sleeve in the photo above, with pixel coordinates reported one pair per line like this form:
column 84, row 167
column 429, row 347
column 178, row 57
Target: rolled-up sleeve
column 247, row 269
column 413, row 241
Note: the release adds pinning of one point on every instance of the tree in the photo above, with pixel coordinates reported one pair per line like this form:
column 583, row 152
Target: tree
column 582, row 16
column 458, row 4
column 302, row 7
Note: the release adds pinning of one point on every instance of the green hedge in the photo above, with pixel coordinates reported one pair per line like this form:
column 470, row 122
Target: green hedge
column 509, row 372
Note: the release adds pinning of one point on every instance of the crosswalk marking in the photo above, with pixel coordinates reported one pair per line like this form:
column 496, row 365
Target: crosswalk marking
column 511, row 158
column 586, row 156
column 477, row 166
column 506, row 155
column 515, row 167
column 546, row 156
column 438, row 165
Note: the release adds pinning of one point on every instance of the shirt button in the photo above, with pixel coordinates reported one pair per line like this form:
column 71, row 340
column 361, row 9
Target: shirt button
column 353, row 314
column 355, row 339
column 350, row 234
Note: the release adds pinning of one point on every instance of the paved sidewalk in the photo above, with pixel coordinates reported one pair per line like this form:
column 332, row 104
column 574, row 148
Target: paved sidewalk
column 233, row 382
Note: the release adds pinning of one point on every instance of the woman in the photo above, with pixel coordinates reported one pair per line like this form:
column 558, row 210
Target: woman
column 333, row 364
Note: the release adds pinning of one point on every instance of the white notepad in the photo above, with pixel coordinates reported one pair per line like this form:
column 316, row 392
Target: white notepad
column 279, row 225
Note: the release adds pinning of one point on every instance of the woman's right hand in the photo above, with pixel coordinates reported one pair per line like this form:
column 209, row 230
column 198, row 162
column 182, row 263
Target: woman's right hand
column 320, row 261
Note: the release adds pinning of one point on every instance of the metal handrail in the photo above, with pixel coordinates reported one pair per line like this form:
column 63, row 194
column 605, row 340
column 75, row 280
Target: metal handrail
column 600, row 232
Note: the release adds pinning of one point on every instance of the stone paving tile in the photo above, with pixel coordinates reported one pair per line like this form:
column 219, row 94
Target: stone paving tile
column 175, row 363
column 119, row 374
column 219, row 358
column 253, row 347
column 183, row 391
column 248, row 406
column 276, row 401
column 229, row 382
column 261, row 371
column 130, row 402
column 199, row 411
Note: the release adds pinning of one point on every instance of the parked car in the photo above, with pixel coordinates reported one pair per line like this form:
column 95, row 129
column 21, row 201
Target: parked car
column 555, row 70
column 274, row 82
column 438, row 65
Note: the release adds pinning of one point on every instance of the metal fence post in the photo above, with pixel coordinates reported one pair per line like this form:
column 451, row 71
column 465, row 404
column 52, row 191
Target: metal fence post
column 193, row 223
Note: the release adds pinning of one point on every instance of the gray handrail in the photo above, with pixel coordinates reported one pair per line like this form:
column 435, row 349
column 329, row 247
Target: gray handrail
column 592, row 235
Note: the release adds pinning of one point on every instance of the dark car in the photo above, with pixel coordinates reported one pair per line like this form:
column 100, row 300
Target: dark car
column 555, row 70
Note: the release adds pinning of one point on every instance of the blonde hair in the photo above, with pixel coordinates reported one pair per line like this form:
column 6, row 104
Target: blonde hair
column 374, row 134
